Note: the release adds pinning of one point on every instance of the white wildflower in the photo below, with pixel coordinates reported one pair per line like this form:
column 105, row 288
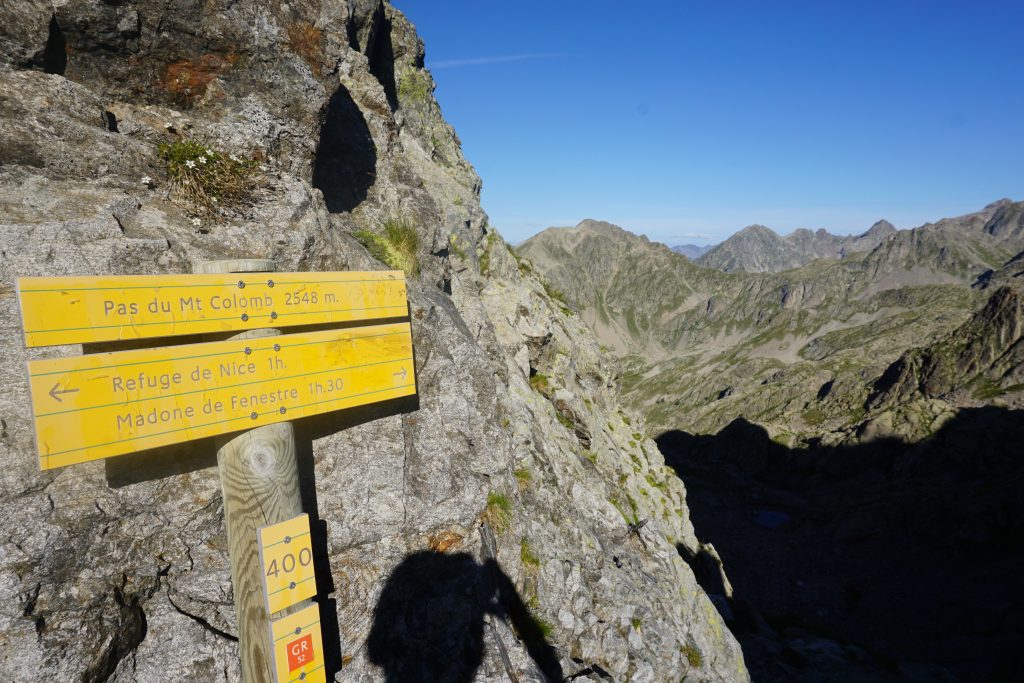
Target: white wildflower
column 202, row 160
column 190, row 164
column 234, row 158
column 196, row 222
column 146, row 180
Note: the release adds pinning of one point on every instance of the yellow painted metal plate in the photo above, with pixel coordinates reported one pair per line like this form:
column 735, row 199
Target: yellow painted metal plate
column 105, row 404
column 74, row 310
column 298, row 647
column 286, row 556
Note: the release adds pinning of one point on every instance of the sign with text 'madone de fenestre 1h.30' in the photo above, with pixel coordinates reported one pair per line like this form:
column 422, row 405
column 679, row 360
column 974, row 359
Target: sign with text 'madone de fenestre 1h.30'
column 105, row 404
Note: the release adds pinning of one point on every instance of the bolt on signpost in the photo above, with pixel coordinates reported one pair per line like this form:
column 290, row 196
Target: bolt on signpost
column 245, row 391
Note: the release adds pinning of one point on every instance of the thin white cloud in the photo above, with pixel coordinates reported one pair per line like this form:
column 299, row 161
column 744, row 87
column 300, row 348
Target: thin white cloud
column 497, row 59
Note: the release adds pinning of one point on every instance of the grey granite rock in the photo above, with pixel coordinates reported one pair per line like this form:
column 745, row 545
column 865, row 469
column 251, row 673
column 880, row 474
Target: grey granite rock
column 547, row 527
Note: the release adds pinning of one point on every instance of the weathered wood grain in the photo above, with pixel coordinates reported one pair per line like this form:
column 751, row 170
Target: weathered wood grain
column 260, row 484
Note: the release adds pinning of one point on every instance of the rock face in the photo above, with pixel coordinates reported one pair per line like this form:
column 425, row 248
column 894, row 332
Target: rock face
column 512, row 523
column 982, row 359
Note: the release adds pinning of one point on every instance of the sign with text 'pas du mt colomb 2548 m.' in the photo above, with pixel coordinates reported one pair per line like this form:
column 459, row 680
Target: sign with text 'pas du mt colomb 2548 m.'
column 105, row 404
column 73, row 310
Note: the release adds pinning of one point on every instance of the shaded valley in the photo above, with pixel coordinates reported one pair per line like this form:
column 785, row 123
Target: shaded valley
column 856, row 562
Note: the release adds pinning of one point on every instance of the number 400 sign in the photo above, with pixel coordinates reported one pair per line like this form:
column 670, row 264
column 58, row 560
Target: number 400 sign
column 286, row 555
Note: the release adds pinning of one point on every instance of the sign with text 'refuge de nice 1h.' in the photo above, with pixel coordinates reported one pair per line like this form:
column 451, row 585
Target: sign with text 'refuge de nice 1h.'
column 105, row 404
column 286, row 558
column 73, row 310
column 298, row 647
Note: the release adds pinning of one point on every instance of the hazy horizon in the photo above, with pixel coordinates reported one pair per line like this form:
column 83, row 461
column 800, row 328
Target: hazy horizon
column 702, row 240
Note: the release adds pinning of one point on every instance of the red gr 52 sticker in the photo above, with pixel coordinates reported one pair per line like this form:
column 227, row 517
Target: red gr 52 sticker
column 300, row 652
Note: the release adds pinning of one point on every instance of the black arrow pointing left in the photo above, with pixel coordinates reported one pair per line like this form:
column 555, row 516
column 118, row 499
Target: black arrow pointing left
column 57, row 391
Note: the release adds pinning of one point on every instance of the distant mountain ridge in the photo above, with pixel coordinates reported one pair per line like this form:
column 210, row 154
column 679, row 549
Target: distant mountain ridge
column 726, row 343
column 758, row 249
column 692, row 251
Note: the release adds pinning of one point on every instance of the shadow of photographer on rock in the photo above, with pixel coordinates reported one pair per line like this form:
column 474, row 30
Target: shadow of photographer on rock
column 429, row 622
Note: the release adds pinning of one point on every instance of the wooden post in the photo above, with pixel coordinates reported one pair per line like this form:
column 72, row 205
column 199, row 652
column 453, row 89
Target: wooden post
column 259, row 479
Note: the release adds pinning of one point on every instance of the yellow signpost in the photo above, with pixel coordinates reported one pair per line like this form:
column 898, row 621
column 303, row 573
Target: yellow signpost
column 100, row 405
column 106, row 404
column 73, row 310
column 298, row 647
column 286, row 558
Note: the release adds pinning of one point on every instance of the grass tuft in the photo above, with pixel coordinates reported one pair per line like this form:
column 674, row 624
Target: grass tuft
column 540, row 383
column 396, row 247
column 543, row 627
column 692, row 655
column 456, row 247
column 557, row 297
column 414, row 87
column 813, row 417
column 527, row 555
column 208, row 179
column 485, row 255
column 499, row 511
column 523, row 265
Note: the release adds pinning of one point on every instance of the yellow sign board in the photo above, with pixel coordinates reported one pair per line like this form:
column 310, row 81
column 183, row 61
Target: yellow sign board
column 286, row 556
column 105, row 404
column 298, row 647
column 73, row 310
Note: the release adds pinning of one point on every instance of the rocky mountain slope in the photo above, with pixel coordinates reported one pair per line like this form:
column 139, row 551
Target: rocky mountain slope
column 980, row 360
column 844, row 429
column 511, row 523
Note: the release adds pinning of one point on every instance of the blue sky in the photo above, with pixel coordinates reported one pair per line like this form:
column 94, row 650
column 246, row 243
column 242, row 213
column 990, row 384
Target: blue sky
column 687, row 121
